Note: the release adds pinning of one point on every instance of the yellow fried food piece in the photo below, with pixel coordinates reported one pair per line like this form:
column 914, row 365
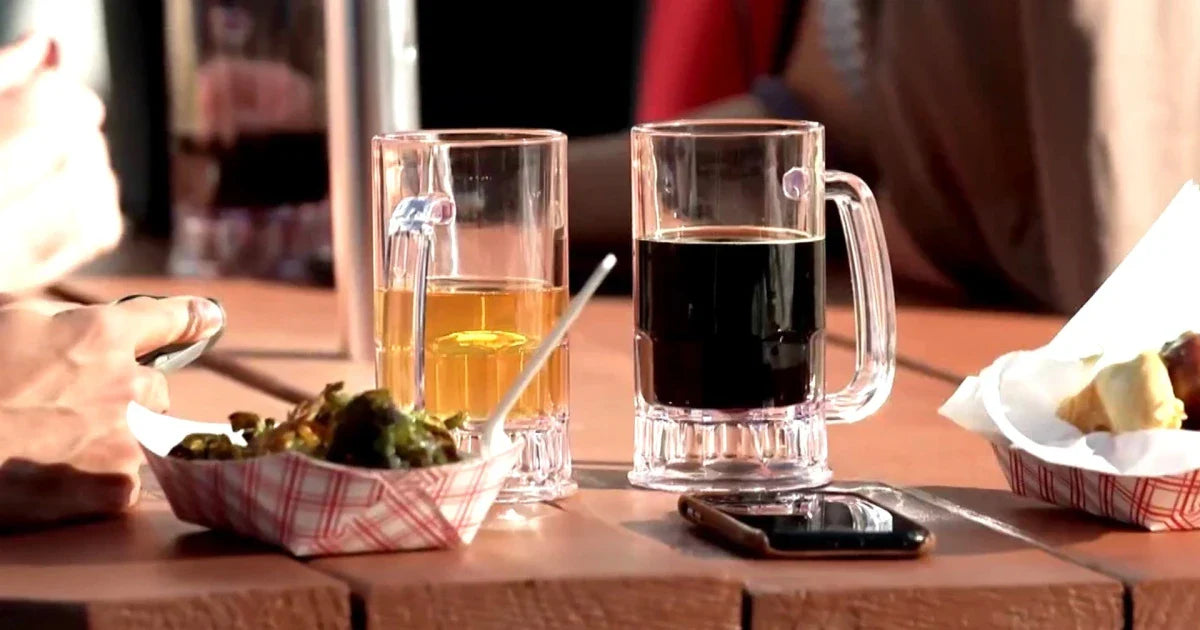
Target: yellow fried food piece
column 1129, row 396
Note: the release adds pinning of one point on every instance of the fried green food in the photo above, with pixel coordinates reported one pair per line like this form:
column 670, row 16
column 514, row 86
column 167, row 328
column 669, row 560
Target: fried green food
column 366, row 430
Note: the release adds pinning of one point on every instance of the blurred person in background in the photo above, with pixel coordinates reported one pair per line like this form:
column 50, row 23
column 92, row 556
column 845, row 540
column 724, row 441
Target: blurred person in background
column 248, row 142
column 1019, row 148
column 70, row 370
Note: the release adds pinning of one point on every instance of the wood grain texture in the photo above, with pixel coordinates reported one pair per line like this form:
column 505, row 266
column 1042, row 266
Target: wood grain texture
column 1160, row 569
column 954, row 341
column 1169, row 604
column 974, row 576
column 542, row 567
column 1082, row 607
column 147, row 569
column 205, row 396
column 906, row 442
column 612, row 603
column 200, row 594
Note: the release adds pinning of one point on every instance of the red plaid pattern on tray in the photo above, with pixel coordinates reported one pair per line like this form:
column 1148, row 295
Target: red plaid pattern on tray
column 312, row 507
column 1167, row 503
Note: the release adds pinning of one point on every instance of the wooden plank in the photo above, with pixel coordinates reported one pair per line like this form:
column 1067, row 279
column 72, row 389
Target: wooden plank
column 906, row 443
column 561, row 570
column 203, row 395
column 147, row 569
column 975, row 577
column 924, row 335
column 542, row 567
column 1159, row 568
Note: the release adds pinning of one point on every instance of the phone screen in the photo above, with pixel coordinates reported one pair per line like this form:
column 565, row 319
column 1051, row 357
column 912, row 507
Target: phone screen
column 822, row 521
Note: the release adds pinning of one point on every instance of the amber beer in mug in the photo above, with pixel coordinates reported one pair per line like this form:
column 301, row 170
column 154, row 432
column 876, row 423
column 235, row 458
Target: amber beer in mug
column 480, row 333
column 489, row 207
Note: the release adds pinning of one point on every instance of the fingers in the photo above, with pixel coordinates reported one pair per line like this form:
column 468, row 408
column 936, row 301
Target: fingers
column 115, row 450
column 62, row 220
column 43, row 307
column 31, row 156
column 137, row 326
column 150, row 389
column 33, row 493
column 58, row 191
column 95, row 224
column 20, row 60
column 41, row 127
column 51, row 97
column 157, row 323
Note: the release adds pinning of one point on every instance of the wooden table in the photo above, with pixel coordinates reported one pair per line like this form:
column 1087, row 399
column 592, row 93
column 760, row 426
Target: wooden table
column 611, row 556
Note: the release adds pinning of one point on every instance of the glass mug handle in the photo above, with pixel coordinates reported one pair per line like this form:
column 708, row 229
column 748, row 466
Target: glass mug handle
column 411, row 224
column 874, row 301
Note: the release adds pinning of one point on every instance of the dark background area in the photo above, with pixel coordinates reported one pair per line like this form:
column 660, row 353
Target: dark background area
column 561, row 65
column 136, row 117
column 541, row 63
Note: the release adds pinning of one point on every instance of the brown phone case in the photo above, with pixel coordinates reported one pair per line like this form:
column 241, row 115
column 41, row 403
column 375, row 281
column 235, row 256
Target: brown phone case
column 755, row 541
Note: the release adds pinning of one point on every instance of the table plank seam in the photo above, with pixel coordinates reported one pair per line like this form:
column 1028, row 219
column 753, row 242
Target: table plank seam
column 1001, row 527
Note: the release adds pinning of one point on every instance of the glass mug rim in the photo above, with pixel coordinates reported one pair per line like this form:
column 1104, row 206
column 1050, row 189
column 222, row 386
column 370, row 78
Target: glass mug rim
column 728, row 128
column 480, row 137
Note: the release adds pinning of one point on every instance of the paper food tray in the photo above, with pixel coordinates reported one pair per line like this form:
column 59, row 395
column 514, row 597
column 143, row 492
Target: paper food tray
column 1167, row 503
column 1148, row 478
column 312, row 507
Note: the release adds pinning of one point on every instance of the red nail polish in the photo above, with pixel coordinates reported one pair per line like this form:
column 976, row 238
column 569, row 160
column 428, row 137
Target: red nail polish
column 51, row 60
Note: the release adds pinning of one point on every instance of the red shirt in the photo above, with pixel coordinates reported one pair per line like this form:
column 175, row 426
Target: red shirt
column 699, row 51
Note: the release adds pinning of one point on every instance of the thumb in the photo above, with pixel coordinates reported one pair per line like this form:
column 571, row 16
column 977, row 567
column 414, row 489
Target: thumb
column 160, row 322
column 20, row 60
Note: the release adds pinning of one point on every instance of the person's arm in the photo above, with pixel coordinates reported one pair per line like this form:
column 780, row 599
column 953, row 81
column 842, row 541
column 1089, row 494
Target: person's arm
column 949, row 131
column 834, row 91
column 811, row 87
column 65, row 450
column 1114, row 117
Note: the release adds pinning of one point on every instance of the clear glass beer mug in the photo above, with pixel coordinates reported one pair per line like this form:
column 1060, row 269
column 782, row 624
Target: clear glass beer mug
column 729, row 292
column 470, row 272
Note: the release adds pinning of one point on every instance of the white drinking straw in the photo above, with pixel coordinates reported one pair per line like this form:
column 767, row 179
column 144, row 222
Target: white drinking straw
column 493, row 436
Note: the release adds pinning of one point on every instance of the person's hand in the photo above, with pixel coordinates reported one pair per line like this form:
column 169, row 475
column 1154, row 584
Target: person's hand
column 58, row 194
column 70, row 374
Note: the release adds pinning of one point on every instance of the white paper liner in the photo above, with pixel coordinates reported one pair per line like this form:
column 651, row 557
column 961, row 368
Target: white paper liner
column 1143, row 304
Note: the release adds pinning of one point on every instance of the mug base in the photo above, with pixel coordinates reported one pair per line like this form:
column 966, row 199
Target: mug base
column 704, row 450
column 544, row 471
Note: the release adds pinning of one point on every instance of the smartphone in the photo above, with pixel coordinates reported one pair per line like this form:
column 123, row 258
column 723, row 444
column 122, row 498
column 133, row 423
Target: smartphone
column 807, row 525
